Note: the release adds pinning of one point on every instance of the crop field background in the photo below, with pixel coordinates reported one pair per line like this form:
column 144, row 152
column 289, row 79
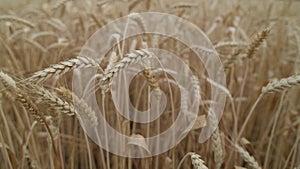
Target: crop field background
column 257, row 41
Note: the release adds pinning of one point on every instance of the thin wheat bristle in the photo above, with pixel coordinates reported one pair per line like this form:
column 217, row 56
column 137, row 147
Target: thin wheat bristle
column 282, row 84
column 9, row 18
column 247, row 157
column 257, row 41
column 62, row 68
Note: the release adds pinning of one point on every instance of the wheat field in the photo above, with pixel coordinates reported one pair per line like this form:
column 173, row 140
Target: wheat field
column 258, row 43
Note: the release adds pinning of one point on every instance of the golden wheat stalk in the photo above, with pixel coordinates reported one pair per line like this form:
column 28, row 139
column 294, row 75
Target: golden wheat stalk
column 14, row 19
column 59, row 4
column 230, row 44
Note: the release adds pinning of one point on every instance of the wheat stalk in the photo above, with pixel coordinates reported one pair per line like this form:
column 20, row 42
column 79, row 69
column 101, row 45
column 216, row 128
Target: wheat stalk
column 179, row 5
column 62, row 68
column 9, row 18
column 229, row 44
column 36, row 44
column 59, row 4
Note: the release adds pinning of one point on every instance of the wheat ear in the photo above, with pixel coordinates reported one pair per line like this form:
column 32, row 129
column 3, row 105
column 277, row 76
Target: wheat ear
column 282, row 84
column 128, row 59
column 27, row 103
column 152, row 81
column 139, row 20
column 62, row 68
column 21, row 97
column 257, row 41
column 86, row 112
column 54, row 101
column 247, row 157
column 197, row 162
column 218, row 148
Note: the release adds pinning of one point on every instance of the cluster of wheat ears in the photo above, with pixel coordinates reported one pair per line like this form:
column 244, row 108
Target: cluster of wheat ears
column 259, row 46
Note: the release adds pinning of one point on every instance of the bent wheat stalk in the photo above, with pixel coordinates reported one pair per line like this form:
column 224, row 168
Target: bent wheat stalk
column 273, row 86
column 9, row 18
